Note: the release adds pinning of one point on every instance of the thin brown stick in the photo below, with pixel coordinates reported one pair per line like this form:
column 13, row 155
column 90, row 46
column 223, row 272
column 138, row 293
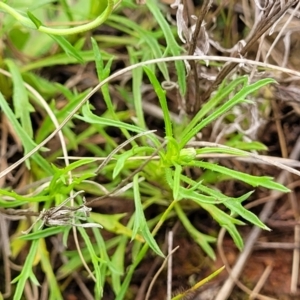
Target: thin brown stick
column 274, row 245
column 224, row 294
column 146, row 281
column 261, row 282
column 205, row 8
column 158, row 272
column 19, row 212
column 296, row 261
column 195, row 105
column 279, row 128
column 170, row 262
column 293, row 201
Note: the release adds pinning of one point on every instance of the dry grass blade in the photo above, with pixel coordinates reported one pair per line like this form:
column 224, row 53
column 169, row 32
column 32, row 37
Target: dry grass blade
column 270, row 17
column 260, row 283
column 193, row 103
column 296, row 260
column 282, row 30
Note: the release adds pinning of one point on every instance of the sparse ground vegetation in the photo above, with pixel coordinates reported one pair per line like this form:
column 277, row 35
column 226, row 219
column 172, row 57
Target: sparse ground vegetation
column 149, row 149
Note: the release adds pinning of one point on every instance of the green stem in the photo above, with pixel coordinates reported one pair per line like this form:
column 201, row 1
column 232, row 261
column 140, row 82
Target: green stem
column 75, row 30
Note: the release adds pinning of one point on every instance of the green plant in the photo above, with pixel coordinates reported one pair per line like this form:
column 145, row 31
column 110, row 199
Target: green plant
column 132, row 172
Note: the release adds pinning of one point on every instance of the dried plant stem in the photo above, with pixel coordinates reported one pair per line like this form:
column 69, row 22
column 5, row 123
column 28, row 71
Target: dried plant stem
column 205, row 8
column 262, row 28
column 195, row 104
column 158, row 272
column 170, row 269
column 261, row 282
column 296, row 261
column 282, row 30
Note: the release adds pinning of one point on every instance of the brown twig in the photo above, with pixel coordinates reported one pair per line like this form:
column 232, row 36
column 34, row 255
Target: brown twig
column 205, row 8
column 18, row 212
column 194, row 105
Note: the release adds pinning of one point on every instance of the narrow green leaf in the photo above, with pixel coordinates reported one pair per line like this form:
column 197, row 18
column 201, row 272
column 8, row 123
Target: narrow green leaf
column 201, row 239
column 237, row 208
column 120, row 163
column 77, row 164
column 103, row 73
column 172, row 45
column 27, row 142
column 237, row 238
column 10, row 204
column 46, row 264
column 176, row 183
column 247, row 146
column 151, row 241
column 106, row 264
column 227, row 222
column 197, row 197
column 33, row 279
column 239, row 97
column 228, row 150
column 155, row 49
column 137, row 84
column 118, row 260
column 47, row 126
column 40, row 234
column 89, row 117
column 123, row 158
column 140, row 223
column 255, row 181
column 21, row 102
column 161, row 94
column 98, row 271
column 35, row 20
column 112, row 224
column 223, row 91
column 61, row 59
column 67, row 47
column 217, row 195
column 26, row 272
